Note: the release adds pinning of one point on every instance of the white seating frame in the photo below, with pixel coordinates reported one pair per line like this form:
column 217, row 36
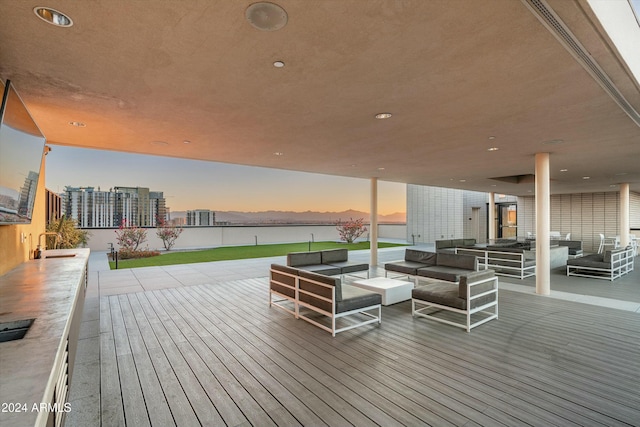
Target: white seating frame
column 489, row 260
column 333, row 316
column 468, row 323
column 624, row 259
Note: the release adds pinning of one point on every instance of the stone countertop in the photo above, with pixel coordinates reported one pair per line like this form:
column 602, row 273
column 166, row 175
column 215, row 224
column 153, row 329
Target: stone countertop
column 45, row 289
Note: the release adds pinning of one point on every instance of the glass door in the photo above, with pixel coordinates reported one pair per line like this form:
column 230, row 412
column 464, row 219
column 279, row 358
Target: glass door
column 507, row 216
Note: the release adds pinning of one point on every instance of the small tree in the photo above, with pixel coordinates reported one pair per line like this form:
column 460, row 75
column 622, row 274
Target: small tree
column 168, row 233
column 69, row 236
column 351, row 230
column 130, row 237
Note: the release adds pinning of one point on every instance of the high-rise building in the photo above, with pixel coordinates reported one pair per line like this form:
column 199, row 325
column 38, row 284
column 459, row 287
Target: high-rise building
column 27, row 194
column 201, row 217
column 92, row 208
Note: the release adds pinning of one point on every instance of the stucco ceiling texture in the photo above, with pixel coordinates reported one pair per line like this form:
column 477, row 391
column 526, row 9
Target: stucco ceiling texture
column 458, row 76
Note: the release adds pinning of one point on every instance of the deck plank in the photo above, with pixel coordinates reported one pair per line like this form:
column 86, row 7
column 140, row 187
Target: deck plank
column 112, row 410
column 154, row 399
column 172, row 343
column 181, row 409
column 223, row 356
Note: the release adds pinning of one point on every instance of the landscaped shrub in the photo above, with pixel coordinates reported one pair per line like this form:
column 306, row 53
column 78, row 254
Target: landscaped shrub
column 129, row 254
column 168, row 233
column 351, row 230
column 129, row 239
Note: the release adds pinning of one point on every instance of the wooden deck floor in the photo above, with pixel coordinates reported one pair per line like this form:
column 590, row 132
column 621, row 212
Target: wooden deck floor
column 217, row 355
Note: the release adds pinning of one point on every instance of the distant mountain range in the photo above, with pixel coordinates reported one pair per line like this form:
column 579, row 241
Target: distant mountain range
column 289, row 217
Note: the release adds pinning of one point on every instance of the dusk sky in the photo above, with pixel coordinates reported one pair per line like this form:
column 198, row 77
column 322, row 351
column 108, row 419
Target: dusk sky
column 193, row 184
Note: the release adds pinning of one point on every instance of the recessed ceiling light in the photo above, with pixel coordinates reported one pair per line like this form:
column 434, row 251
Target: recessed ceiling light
column 383, row 115
column 159, row 143
column 463, row 180
column 586, row 177
column 613, row 185
column 278, row 153
column 78, row 124
column 493, row 149
column 492, row 137
column 494, row 185
column 186, row 141
column 266, row 16
column 52, row 16
column 563, row 170
column 278, row 64
column 380, row 169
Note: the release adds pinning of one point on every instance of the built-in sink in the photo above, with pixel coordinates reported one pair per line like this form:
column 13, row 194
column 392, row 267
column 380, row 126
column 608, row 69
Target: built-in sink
column 14, row 330
column 60, row 256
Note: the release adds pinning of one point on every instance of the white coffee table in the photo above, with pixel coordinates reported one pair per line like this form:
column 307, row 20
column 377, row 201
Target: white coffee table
column 392, row 290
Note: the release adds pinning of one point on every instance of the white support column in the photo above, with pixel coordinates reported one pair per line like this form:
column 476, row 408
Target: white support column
column 543, row 224
column 373, row 231
column 624, row 215
column 492, row 217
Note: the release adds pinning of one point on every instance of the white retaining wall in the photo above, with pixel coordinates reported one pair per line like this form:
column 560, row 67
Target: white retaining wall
column 207, row 237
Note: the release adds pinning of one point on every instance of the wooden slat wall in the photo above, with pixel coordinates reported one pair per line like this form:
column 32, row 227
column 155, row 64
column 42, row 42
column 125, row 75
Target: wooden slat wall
column 583, row 215
column 634, row 211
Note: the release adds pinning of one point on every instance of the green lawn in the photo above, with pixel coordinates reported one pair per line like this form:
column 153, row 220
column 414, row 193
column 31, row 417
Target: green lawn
column 238, row 252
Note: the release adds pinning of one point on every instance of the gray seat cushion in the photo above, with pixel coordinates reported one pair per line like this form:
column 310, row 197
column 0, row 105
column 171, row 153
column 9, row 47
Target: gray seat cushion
column 354, row 298
column 593, row 260
column 327, row 270
column 440, row 293
column 350, row 266
column 450, row 274
column 404, row 267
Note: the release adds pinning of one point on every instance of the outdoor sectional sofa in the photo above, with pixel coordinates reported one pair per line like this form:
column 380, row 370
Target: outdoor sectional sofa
column 610, row 265
column 432, row 265
column 475, row 297
column 311, row 296
column 454, row 243
column 505, row 261
column 575, row 247
column 330, row 262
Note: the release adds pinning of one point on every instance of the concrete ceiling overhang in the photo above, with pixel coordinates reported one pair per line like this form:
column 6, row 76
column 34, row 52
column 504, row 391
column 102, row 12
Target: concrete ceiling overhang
column 145, row 77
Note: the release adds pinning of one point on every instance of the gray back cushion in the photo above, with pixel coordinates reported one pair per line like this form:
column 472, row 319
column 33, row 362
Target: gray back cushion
column 608, row 253
column 334, row 255
column 467, row 262
column 441, row 244
column 420, row 256
column 296, row 259
column 318, row 289
column 473, row 277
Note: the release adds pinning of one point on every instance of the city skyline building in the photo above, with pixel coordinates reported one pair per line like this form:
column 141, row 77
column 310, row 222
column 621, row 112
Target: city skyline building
column 201, row 217
column 136, row 206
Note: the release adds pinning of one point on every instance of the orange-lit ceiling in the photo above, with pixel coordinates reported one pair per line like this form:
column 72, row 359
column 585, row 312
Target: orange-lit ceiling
column 459, row 77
